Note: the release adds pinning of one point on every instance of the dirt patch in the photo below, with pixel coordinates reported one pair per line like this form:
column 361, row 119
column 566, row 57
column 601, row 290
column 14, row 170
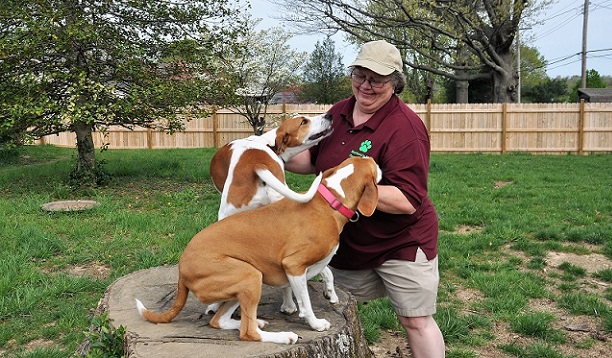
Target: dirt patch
column 30, row 346
column 391, row 345
column 39, row 343
column 500, row 183
column 93, row 270
column 466, row 230
column 96, row 271
column 591, row 262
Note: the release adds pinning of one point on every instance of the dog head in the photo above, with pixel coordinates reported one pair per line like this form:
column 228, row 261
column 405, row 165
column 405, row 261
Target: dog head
column 299, row 133
column 354, row 183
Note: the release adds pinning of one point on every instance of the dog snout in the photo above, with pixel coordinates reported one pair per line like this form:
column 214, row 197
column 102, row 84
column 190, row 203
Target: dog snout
column 327, row 116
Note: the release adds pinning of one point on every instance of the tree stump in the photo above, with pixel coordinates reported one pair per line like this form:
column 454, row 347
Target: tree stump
column 189, row 333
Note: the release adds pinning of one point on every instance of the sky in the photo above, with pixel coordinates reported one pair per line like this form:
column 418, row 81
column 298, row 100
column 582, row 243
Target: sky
column 558, row 37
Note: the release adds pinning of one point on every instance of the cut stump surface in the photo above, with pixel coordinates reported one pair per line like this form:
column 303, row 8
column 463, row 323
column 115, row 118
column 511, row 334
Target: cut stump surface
column 69, row 205
column 189, row 334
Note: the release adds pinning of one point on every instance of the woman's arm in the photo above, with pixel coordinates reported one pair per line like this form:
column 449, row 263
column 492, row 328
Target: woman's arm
column 300, row 164
column 391, row 200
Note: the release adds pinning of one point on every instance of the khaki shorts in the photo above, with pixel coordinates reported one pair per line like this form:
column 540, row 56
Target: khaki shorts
column 412, row 287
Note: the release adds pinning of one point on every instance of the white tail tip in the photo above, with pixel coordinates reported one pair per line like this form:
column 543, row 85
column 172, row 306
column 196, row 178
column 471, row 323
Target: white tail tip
column 141, row 308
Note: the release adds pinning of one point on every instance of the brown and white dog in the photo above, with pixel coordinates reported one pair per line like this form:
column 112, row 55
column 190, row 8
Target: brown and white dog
column 229, row 260
column 250, row 172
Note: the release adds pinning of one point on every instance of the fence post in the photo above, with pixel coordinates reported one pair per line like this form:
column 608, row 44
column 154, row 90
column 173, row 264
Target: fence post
column 581, row 121
column 504, row 126
column 428, row 116
column 149, row 138
column 215, row 129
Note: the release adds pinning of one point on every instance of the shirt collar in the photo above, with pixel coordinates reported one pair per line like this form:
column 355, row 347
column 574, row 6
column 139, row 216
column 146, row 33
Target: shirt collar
column 347, row 112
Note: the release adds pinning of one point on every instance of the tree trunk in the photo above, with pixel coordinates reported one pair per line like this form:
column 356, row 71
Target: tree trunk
column 86, row 161
column 462, row 93
column 189, row 333
column 504, row 81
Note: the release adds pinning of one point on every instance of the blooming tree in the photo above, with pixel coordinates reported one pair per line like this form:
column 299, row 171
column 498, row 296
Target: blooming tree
column 263, row 66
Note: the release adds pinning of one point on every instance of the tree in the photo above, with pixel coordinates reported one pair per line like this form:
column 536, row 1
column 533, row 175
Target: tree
column 536, row 86
column 81, row 66
column 263, row 66
column 324, row 75
column 461, row 40
column 533, row 67
column 593, row 80
column 548, row 91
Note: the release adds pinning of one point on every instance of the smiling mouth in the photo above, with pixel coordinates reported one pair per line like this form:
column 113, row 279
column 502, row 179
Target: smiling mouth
column 322, row 134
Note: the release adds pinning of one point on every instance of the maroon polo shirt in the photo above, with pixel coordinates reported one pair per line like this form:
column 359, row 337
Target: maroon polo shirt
column 396, row 138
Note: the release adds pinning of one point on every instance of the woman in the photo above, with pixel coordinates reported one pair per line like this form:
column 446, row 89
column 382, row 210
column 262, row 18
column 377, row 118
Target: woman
column 394, row 252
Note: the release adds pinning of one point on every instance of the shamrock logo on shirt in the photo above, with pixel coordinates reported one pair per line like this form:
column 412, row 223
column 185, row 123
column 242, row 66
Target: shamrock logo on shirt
column 365, row 146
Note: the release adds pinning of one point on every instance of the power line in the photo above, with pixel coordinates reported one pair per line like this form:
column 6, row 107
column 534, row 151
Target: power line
column 562, row 59
column 568, row 14
column 565, row 21
column 559, row 20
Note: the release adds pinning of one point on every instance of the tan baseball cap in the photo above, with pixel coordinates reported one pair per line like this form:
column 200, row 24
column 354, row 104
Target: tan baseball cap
column 380, row 57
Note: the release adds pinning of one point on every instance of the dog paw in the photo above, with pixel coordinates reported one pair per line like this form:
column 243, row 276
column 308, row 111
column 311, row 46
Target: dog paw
column 229, row 323
column 292, row 337
column 285, row 337
column 279, row 337
column 320, row 324
column 261, row 323
column 331, row 296
column 212, row 308
column 288, row 308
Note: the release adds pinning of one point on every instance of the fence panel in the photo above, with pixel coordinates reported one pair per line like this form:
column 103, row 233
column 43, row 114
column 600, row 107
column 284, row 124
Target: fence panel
column 597, row 128
column 494, row 128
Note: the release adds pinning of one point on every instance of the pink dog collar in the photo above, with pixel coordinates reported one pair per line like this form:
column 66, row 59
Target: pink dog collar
column 352, row 215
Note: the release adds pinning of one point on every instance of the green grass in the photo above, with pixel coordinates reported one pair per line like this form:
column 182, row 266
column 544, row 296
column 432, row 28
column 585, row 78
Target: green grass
column 535, row 350
column 517, row 207
column 376, row 316
column 538, row 325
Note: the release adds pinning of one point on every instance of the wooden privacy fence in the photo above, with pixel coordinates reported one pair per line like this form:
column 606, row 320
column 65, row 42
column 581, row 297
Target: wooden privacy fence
column 494, row 128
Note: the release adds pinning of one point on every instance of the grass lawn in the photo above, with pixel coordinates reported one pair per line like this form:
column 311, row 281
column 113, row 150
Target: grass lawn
column 525, row 247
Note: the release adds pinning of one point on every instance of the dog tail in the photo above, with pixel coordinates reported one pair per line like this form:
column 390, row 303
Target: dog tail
column 179, row 303
column 284, row 190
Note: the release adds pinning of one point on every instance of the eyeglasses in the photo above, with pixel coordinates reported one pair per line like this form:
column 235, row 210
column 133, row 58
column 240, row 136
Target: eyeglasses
column 374, row 83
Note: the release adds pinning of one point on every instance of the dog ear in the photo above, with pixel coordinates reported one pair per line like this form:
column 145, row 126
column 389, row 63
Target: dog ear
column 280, row 144
column 369, row 199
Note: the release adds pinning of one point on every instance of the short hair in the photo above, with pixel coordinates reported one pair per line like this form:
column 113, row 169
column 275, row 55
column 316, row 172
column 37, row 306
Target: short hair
column 398, row 79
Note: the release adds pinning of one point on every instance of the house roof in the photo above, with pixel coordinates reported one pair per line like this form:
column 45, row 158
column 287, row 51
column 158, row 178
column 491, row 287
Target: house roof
column 595, row 94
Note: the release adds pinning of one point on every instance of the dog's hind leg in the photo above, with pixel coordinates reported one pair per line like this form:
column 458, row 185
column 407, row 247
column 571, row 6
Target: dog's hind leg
column 248, row 293
column 248, row 311
column 212, row 308
column 223, row 319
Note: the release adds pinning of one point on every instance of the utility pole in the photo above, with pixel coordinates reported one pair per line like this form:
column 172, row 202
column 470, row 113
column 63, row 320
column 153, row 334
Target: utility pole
column 518, row 67
column 583, row 82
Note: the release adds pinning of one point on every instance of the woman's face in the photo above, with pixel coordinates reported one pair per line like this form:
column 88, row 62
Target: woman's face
column 370, row 89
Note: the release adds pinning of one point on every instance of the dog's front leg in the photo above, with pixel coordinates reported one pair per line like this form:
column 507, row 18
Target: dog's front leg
column 300, row 290
column 288, row 306
column 328, row 279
